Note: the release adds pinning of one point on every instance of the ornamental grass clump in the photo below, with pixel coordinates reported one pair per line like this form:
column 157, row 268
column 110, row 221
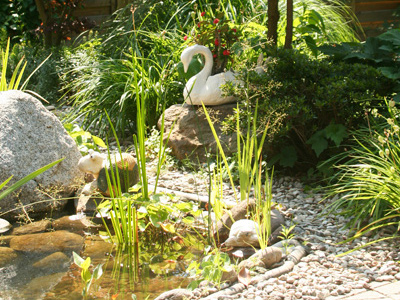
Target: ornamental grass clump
column 367, row 181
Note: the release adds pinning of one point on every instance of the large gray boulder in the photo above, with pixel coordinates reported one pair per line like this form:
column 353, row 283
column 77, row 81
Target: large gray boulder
column 30, row 138
column 191, row 135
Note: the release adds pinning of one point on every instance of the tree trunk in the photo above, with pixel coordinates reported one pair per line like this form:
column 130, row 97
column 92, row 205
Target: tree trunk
column 48, row 36
column 273, row 18
column 289, row 24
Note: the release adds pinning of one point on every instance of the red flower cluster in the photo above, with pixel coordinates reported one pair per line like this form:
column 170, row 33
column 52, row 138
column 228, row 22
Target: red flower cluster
column 215, row 31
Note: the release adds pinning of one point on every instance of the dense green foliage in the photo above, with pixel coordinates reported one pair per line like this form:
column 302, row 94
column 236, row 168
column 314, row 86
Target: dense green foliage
column 381, row 51
column 20, row 19
column 313, row 103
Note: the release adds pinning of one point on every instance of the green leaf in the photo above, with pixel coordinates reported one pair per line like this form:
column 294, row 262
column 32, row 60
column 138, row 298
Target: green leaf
column 142, row 225
column 86, row 263
column 336, row 132
column 99, row 142
column 184, row 206
column 390, row 72
column 97, row 272
column 86, row 276
column 188, row 220
column 24, row 180
column 318, row 142
column 288, row 156
column 157, row 215
column 5, row 182
column 77, row 259
column 168, row 227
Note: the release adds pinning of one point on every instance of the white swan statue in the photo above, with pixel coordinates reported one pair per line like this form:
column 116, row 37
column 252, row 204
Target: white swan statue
column 203, row 88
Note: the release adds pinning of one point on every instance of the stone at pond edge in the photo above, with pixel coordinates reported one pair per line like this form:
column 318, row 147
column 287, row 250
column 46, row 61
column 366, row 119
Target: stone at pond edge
column 176, row 294
column 5, row 239
column 30, row 138
column 263, row 258
column 243, row 233
column 75, row 223
column 7, row 255
column 48, row 242
column 34, row 227
column 54, row 261
column 239, row 212
column 191, row 133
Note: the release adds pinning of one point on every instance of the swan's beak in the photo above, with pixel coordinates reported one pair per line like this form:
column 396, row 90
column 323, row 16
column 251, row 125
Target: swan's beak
column 185, row 67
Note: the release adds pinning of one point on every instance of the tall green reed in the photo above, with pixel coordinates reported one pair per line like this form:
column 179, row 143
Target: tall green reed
column 250, row 170
column 262, row 213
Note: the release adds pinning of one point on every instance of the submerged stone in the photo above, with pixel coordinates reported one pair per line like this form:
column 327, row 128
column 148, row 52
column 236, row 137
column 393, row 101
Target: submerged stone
column 48, row 242
column 55, row 260
column 7, row 255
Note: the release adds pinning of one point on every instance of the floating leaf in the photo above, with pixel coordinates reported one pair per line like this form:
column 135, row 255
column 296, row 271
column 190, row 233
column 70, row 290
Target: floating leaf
column 188, row 220
column 168, row 227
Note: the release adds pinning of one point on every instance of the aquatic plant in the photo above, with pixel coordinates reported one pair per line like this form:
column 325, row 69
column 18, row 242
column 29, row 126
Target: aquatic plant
column 87, row 277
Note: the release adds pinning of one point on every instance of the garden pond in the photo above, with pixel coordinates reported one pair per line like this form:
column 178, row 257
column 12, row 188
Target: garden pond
column 52, row 274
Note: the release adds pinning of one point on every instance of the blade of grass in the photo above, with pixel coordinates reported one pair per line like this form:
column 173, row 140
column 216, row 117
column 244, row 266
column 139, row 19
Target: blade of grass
column 24, row 180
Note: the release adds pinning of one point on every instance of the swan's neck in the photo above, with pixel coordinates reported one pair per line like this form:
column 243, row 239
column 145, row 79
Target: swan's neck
column 206, row 71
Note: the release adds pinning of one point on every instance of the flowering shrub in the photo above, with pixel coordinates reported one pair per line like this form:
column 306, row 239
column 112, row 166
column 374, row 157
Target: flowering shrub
column 218, row 34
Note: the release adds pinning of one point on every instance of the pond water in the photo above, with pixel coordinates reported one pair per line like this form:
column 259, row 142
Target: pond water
column 24, row 280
